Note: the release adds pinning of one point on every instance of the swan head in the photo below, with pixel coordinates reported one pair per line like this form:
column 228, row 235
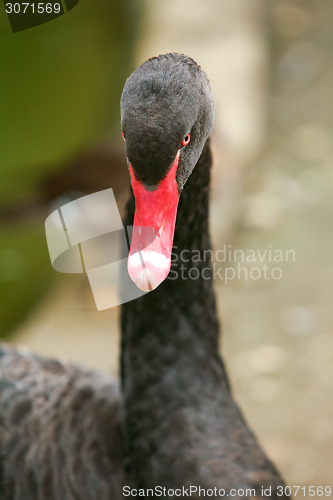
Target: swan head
column 167, row 114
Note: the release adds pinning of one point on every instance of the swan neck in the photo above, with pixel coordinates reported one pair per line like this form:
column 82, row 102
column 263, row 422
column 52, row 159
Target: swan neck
column 180, row 315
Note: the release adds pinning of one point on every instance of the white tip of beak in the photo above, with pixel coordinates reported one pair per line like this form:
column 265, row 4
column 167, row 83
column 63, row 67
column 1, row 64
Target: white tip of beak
column 148, row 269
column 146, row 281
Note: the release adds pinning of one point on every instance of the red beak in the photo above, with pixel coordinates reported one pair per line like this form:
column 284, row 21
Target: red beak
column 149, row 259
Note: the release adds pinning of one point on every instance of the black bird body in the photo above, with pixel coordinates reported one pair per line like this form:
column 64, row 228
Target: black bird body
column 61, row 435
column 69, row 433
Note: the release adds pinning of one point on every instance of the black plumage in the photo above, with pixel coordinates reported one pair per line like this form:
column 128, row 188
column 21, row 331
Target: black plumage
column 70, row 433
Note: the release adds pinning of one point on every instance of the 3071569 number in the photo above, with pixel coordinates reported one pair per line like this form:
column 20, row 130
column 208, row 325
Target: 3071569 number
column 311, row 491
column 33, row 8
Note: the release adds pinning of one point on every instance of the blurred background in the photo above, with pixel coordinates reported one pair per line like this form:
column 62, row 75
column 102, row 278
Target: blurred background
column 271, row 70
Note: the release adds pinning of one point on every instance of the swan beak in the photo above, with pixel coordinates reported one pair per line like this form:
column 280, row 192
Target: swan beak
column 149, row 259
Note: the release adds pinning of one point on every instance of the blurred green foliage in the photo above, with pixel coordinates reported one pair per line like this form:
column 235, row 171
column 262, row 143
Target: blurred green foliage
column 25, row 271
column 60, row 85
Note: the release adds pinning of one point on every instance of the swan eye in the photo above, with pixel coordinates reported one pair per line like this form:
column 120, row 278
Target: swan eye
column 186, row 140
column 122, row 135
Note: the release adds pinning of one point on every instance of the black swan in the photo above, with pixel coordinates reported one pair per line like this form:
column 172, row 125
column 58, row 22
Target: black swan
column 70, row 433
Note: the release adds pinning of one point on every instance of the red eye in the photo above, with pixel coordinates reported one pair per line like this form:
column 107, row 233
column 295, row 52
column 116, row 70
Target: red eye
column 123, row 136
column 186, row 140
